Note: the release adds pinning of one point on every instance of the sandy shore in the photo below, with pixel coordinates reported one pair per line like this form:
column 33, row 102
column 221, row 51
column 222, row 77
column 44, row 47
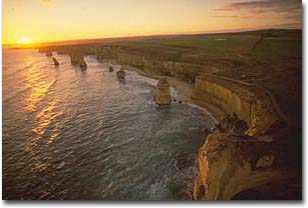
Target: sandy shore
column 184, row 90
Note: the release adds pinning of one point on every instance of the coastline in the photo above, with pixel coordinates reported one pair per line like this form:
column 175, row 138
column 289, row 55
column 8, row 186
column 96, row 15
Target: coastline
column 185, row 90
column 254, row 164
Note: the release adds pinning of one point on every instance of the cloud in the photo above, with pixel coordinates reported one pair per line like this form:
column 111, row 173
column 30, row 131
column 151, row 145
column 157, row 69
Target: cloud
column 262, row 6
column 231, row 16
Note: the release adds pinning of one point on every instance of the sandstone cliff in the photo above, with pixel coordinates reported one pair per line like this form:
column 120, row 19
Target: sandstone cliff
column 250, row 159
column 255, row 158
column 250, row 103
column 233, row 167
column 159, row 66
column 251, row 164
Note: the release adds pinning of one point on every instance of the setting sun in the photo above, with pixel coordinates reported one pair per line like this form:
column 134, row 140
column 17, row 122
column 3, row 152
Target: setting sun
column 24, row 40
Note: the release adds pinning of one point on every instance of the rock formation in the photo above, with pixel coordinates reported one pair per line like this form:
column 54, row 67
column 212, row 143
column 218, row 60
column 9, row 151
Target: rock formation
column 121, row 74
column 154, row 65
column 83, row 65
column 162, row 93
column 49, row 54
column 250, row 104
column 78, row 60
column 110, row 69
column 233, row 125
column 232, row 166
column 55, row 61
column 249, row 158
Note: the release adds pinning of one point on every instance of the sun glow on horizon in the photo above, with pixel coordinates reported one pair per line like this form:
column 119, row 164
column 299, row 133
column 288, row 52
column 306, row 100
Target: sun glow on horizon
column 78, row 19
column 24, row 41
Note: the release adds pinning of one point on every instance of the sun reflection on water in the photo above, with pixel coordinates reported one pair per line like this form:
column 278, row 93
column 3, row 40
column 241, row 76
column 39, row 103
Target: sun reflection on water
column 46, row 126
column 38, row 91
column 44, row 120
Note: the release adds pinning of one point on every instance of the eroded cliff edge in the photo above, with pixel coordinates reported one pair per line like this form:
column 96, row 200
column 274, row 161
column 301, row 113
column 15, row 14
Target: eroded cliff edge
column 260, row 163
column 264, row 162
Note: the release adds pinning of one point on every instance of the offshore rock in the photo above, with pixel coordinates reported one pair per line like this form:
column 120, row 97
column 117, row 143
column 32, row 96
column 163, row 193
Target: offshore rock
column 111, row 69
column 48, row 54
column 78, row 60
column 55, row 61
column 83, row 65
column 121, row 74
column 162, row 93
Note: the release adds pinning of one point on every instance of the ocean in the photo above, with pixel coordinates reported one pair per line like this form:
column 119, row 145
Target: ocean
column 72, row 134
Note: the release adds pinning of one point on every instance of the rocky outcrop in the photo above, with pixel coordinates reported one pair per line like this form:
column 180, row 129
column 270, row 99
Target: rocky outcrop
column 249, row 158
column 233, row 125
column 230, row 167
column 49, row 54
column 250, row 104
column 162, row 93
column 121, row 74
column 55, row 61
column 111, row 69
column 78, row 60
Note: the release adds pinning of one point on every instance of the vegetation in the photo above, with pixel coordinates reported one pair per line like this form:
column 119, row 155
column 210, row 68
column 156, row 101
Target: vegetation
column 271, row 59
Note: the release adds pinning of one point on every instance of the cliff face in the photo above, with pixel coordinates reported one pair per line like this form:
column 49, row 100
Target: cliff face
column 181, row 70
column 249, row 103
column 254, row 164
column 236, row 164
column 255, row 161
column 231, row 167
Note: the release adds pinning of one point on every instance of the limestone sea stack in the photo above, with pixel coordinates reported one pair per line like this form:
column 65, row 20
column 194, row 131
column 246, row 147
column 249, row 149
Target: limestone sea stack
column 121, row 74
column 162, row 93
column 78, row 60
column 110, row 69
column 48, row 54
column 83, row 65
column 55, row 61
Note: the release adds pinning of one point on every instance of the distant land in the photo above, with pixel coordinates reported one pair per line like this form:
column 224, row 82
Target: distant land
column 108, row 40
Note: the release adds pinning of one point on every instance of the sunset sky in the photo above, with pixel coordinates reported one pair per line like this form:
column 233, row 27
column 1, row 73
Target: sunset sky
column 27, row 21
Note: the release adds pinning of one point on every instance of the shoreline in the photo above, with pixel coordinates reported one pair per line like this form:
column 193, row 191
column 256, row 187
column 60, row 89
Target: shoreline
column 185, row 90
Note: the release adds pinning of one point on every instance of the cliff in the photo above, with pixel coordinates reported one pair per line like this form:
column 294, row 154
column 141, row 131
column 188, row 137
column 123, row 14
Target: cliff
column 258, row 155
column 255, row 164
column 249, row 102
column 159, row 66
column 232, row 167
column 256, row 159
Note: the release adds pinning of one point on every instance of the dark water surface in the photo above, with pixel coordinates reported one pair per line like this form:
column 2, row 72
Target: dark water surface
column 69, row 134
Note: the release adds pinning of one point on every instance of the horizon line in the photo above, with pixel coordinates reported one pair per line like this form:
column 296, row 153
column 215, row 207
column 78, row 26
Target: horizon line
column 67, row 41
